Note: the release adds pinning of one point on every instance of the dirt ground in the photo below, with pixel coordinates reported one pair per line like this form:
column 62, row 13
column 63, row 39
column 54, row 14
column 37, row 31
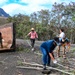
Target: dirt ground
column 10, row 62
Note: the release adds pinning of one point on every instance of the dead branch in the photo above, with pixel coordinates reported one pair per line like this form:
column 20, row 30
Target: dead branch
column 34, row 68
column 39, row 65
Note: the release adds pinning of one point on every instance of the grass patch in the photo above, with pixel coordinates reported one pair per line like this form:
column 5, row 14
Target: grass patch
column 19, row 63
column 73, row 50
column 2, row 62
column 27, row 50
column 20, row 49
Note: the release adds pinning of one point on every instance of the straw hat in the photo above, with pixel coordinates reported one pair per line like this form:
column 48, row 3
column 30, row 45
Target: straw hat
column 32, row 28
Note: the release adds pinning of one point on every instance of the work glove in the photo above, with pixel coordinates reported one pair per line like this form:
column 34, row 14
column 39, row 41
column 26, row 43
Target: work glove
column 55, row 61
column 2, row 40
column 63, row 40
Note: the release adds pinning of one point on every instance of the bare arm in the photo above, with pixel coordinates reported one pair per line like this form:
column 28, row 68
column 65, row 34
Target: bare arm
column 51, row 55
column 29, row 34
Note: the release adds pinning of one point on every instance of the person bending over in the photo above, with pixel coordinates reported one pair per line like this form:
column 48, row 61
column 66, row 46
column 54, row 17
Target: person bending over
column 47, row 49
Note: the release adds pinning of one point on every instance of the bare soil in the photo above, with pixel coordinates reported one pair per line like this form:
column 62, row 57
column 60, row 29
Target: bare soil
column 10, row 60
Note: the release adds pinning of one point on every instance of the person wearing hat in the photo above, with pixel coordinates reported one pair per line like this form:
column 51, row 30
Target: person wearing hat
column 47, row 49
column 33, row 35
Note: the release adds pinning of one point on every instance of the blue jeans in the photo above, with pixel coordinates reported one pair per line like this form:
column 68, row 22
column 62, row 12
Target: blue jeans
column 45, row 58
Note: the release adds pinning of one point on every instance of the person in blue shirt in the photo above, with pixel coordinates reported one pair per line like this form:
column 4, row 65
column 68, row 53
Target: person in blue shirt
column 47, row 49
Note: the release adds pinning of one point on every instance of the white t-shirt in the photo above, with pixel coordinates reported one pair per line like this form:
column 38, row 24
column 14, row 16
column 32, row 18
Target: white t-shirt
column 62, row 35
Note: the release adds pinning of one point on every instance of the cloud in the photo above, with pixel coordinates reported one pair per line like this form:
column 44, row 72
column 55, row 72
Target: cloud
column 14, row 8
column 28, row 6
column 38, row 2
column 3, row 1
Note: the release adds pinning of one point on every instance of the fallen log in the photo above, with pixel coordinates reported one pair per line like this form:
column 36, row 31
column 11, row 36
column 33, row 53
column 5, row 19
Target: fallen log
column 34, row 68
column 45, row 72
column 57, row 64
column 38, row 67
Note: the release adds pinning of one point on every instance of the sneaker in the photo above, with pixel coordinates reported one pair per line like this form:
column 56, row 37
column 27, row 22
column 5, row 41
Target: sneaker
column 44, row 67
column 32, row 49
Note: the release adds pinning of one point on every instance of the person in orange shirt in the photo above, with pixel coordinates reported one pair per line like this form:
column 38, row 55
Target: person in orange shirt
column 33, row 35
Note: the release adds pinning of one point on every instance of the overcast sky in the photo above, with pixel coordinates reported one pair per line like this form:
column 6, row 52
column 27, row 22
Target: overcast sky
column 13, row 7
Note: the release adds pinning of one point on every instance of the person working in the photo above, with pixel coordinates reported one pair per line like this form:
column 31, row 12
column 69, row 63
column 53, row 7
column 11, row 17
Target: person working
column 47, row 49
column 62, row 35
column 62, row 42
column 1, row 40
